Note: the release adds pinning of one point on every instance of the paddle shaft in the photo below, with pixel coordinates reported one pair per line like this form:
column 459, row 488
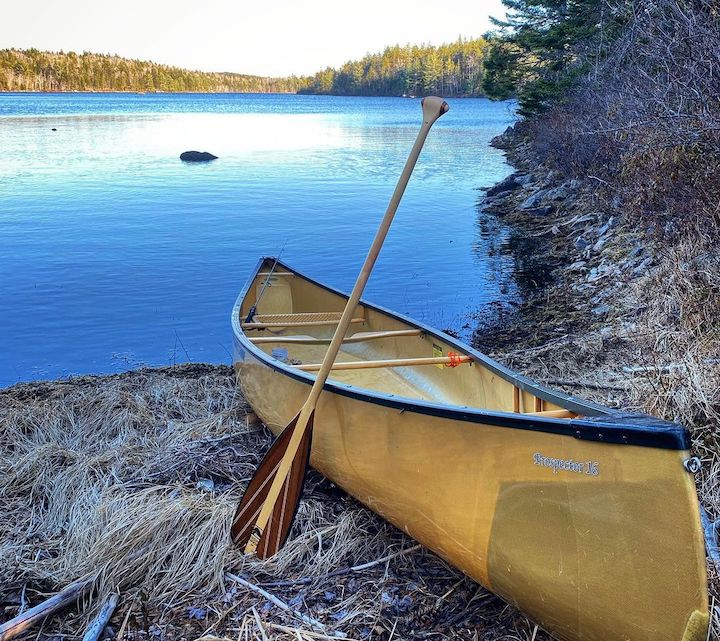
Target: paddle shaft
column 433, row 108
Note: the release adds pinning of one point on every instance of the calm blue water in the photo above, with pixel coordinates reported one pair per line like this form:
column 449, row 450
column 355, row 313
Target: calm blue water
column 114, row 253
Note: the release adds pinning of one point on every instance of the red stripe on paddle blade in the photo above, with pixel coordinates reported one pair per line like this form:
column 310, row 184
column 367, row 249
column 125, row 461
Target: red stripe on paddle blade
column 252, row 501
column 258, row 488
column 286, row 506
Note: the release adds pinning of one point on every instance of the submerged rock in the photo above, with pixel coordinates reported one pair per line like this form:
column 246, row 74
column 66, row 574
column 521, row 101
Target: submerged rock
column 197, row 156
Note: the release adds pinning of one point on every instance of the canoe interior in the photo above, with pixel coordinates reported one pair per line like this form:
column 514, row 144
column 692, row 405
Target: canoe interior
column 310, row 312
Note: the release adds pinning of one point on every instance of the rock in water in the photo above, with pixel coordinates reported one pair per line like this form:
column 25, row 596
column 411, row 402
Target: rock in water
column 196, row 156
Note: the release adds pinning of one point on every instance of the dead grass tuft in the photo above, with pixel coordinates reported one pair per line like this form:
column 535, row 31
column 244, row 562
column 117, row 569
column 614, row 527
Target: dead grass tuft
column 134, row 478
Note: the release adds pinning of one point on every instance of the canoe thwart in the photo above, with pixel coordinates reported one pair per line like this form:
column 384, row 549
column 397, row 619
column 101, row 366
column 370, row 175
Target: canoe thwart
column 311, row 319
column 394, row 362
column 359, row 337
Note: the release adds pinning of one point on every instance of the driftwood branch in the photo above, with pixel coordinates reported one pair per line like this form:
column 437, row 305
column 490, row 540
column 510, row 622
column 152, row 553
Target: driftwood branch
column 100, row 621
column 62, row 599
column 274, row 600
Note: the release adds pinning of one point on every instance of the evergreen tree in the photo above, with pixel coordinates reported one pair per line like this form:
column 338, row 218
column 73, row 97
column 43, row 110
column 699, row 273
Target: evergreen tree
column 544, row 45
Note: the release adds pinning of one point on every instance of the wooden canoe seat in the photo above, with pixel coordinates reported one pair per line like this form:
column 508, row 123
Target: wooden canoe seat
column 310, row 319
column 395, row 362
column 538, row 402
column 554, row 414
column 359, row 337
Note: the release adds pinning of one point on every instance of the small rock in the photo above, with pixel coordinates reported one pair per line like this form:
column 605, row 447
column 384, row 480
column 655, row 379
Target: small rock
column 636, row 251
column 580, row 243
column 523, row 179
column 608, row 225
column 197, row 156
column 503, row 141
column 601, row 310
column 491, row 198
column 558, row 193
column 600, row 243
column 504, row 186
column 205, row 484
column 534, row 200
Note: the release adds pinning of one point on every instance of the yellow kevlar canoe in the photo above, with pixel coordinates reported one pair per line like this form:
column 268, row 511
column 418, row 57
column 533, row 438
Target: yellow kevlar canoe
column 584, row 517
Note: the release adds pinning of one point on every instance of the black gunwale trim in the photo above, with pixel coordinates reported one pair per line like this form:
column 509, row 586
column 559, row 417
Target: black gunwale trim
column 605, row 425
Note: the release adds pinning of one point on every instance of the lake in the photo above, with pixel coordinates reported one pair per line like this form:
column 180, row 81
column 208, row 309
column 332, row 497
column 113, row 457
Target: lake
column 115, row 254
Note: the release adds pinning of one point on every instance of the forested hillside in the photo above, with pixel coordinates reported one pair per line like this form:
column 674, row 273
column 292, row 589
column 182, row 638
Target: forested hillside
column 33, row 70
column 454, row 69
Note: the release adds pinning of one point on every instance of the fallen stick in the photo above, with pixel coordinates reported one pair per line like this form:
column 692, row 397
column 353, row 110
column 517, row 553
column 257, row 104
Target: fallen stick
column 62, row 599
column 273, row 599
column 100, row 621
column 121, row 632
column 306, row 580
column 259, row 623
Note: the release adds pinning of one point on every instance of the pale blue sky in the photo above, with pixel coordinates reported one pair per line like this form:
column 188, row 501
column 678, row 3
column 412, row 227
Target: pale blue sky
column 266, row 37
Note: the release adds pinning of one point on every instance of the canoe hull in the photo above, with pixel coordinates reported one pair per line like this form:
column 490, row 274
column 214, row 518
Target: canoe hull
column 575, row 533
column 549, row 542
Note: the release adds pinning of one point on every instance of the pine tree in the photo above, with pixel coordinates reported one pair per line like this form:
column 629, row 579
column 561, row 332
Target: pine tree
column 544, row 45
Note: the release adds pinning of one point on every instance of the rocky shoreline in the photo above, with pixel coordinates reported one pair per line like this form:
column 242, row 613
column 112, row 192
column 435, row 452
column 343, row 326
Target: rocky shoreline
column 575, row 259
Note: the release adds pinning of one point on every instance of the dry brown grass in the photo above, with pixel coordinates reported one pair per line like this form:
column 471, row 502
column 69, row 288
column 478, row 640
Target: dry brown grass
column 134, row 478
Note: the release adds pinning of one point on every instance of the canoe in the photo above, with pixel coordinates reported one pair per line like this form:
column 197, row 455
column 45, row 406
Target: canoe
column 584, row 517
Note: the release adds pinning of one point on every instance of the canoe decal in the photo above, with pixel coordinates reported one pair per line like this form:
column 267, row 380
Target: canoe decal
column 591, row 468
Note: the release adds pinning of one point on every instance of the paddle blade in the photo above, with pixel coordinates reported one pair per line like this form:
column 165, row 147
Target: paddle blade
column 283, row 514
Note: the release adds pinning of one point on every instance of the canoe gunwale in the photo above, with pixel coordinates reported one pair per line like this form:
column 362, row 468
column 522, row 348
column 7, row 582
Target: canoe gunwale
column 604, row 424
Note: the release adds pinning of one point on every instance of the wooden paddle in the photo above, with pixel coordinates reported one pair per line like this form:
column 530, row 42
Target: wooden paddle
column 267, row 509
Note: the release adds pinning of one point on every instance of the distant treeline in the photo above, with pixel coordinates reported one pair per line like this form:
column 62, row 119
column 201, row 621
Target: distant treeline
column 33, row 70
column 455, row 69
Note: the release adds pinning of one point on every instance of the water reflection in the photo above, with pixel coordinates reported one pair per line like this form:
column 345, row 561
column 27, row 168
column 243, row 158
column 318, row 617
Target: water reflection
column 113, row 250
